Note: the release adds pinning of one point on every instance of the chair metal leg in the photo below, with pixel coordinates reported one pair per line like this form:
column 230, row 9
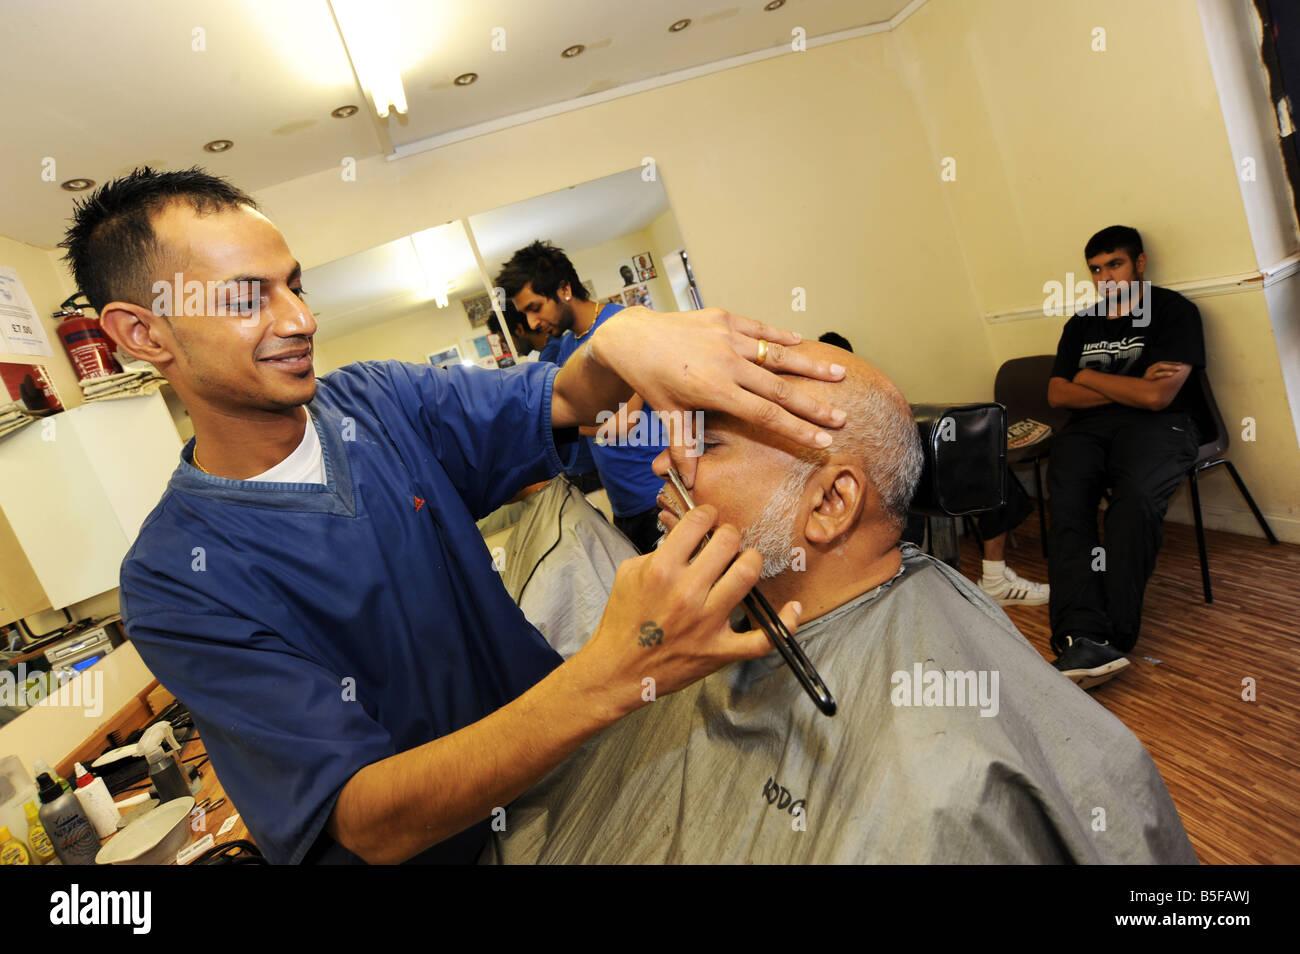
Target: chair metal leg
column 1250, row 502
column 1042, row 515
column 1200, row 536
column 973, row 528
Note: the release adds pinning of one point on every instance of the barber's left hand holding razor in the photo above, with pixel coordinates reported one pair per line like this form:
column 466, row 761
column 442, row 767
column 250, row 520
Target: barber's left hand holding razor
column 700, row 360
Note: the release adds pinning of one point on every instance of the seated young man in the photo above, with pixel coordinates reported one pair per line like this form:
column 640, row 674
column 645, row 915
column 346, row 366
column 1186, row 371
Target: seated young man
column 954, row 740
column 1123, row 368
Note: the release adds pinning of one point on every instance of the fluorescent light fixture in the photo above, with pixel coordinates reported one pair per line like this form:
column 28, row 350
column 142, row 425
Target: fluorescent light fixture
column 368, row 32
column 429, row 253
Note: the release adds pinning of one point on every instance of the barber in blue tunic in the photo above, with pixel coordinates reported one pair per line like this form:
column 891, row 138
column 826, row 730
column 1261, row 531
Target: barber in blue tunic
column 544, row 286
column 312, row 584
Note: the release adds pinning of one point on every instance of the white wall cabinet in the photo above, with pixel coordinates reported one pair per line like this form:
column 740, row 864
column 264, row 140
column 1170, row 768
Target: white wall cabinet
column 74, row 489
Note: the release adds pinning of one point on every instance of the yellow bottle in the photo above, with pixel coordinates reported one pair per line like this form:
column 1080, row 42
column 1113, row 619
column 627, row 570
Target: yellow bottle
column 12, row 851
column 42, row 847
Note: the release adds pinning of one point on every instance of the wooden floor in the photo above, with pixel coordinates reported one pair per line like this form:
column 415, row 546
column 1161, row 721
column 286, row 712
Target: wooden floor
column 1232, row 766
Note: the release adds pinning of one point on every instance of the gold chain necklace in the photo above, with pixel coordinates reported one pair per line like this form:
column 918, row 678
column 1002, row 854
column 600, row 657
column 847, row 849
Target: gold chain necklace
column 593, row 324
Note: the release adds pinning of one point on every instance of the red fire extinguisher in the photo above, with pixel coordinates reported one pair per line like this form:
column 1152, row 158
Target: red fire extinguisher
column 89, row 349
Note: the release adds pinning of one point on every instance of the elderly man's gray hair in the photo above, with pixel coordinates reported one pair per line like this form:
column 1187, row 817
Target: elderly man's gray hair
column 881, row 433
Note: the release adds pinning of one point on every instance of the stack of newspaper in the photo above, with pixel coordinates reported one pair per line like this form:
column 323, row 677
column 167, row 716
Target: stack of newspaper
column 124, row 385
column 1026, row 432
column 14, row 415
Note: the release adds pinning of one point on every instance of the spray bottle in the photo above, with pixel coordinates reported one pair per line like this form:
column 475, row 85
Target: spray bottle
column 165, row 774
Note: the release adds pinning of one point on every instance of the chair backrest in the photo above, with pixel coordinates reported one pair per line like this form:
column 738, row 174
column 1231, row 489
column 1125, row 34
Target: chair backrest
column 965, row 448
column 1214, row 436
column 1021, row 387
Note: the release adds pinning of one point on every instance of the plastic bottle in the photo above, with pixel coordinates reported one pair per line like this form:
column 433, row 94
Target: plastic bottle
column 12, row 851
column 96, row 802
column 40, row 766
column 163, row 770
column 70, row 831
column 42, row 850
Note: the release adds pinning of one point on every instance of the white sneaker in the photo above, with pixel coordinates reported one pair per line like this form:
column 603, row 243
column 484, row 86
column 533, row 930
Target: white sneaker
column 1011, row 590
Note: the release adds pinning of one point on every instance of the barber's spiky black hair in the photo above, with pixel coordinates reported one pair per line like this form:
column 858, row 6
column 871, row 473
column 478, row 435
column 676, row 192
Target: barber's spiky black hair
column 543, row 266
column 111, row 246
column 1114, row 238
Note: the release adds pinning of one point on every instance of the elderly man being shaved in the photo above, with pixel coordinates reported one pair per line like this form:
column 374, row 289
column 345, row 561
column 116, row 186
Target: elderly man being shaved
column 955, row 741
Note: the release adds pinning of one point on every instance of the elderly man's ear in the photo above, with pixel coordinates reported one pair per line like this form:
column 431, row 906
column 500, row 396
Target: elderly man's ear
column 842, row 492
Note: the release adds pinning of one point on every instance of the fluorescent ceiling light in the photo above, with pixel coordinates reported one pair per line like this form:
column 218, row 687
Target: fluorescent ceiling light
column 367, row 30
column 429, row 253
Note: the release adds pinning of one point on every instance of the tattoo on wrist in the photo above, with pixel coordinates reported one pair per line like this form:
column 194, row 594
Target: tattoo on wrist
column 651, row 634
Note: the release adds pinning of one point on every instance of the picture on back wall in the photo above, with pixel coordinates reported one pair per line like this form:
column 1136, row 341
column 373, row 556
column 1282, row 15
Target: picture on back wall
column 645, row 267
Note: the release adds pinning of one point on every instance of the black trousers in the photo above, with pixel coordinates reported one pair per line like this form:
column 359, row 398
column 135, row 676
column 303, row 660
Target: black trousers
column 1139, row 458
column 1010, row 515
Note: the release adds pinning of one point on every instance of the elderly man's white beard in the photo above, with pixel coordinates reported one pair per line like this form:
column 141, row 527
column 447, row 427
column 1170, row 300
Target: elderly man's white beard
column 772, row 534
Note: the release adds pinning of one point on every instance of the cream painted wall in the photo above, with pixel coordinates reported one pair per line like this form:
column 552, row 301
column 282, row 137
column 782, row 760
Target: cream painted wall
column 1035, row 178
column 1132, row 135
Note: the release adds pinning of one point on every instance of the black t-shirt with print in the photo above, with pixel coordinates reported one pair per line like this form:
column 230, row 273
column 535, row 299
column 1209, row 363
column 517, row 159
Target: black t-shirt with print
column 1128, row 346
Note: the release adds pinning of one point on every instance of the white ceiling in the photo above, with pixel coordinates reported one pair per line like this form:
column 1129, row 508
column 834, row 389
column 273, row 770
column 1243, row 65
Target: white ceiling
column 101, row 87
column 384, row 283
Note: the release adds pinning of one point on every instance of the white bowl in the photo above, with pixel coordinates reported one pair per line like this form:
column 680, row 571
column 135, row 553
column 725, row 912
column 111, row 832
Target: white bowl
column 154, row 839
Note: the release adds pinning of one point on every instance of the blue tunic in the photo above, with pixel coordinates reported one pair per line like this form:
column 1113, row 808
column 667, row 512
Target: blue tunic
column 585, row 464
column 625, row 470
column 313, row 629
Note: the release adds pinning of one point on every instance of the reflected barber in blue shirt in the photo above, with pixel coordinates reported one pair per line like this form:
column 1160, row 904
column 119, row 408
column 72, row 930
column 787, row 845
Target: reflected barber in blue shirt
column 544, row 286
column 583, row 474
column 312, row 584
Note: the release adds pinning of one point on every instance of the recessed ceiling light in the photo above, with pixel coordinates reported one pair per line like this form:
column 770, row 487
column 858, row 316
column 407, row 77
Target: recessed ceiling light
column 77, row 185
column 773, row 5
column 464, row 79
column 679, row 26
column 343, row 112
column 219, row 145
column 572, row 51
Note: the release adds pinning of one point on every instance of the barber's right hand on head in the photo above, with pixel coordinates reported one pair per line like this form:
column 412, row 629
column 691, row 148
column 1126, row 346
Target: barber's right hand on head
column 666, row 619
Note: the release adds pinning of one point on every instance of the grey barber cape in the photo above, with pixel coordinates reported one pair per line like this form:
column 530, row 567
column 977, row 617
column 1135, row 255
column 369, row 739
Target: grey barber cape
column 742, row 768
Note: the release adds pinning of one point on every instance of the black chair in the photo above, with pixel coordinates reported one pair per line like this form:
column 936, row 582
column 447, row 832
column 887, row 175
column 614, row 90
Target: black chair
column 1021, row 387
column 1214, row 443
column 964, row 448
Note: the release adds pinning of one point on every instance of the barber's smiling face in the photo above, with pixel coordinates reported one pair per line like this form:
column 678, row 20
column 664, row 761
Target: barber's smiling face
column 261, row 360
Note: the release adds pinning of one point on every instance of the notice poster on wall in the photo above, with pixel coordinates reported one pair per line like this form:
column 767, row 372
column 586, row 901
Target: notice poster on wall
column 21, row 331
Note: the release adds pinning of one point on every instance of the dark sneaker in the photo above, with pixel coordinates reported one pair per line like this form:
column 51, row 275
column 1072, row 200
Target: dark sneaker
column 1089, row 663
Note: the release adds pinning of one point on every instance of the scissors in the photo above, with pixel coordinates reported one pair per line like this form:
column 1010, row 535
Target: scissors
column 761, row 610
